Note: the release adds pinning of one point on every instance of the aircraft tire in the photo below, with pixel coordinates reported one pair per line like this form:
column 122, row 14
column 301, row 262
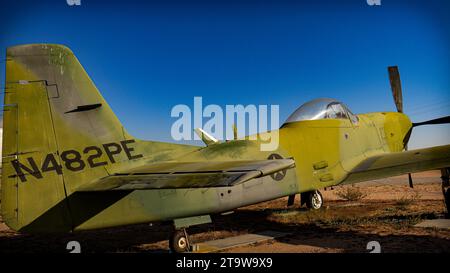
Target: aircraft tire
column 315, row 200
column 178, row 241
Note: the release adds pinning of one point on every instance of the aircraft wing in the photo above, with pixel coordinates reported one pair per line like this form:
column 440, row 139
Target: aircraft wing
column 392, row 164
column 174, row 175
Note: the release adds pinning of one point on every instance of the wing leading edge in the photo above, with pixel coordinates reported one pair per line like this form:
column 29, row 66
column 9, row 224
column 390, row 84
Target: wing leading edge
column 175, row 175
column 392, row 164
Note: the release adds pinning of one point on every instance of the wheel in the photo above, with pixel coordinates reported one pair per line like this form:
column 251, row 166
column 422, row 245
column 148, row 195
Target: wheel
column 178, row 241
column 315, row 200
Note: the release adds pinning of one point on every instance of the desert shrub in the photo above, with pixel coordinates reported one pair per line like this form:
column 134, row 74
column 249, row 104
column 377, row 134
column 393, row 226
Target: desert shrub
column 351, row 193
column 407, row 200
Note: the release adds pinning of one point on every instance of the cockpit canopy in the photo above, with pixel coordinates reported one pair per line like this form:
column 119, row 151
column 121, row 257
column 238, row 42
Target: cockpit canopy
column 322, row 109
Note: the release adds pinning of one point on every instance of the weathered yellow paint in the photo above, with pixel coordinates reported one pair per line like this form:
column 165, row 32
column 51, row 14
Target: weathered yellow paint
column 46, row 85
column 396, row 126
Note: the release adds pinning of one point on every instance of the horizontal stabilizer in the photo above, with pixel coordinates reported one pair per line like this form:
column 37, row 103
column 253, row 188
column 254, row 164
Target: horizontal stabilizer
column 206, row 138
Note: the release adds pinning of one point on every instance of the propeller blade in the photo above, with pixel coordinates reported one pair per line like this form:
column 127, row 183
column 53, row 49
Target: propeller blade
column 443, row 120
column 406, row 139
column 410, row 181
column 396, row 86
column 406, row 149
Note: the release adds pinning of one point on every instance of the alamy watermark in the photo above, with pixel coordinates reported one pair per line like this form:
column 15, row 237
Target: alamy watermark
column 73, row 2
column 74, row 247
column 374, row 247
column 78, row 2
column 374, row 2
column 251, row 122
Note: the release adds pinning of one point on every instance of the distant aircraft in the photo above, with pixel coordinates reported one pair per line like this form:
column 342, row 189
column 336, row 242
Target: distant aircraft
column 70, row 165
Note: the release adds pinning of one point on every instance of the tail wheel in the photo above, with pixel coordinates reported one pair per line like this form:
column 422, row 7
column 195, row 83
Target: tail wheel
column 179, row 241
column 315, row 200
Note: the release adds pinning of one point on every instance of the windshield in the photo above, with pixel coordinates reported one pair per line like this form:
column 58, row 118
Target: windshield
column 319, row 109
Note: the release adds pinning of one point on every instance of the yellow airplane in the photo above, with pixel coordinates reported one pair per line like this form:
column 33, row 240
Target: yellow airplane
column 70, row 165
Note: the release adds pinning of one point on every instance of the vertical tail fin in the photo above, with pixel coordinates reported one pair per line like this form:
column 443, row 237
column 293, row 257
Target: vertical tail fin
column 52, row 113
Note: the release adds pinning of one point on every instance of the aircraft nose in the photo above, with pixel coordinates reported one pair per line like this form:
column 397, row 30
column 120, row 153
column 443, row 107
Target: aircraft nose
column 405, row 122
column 397, row 128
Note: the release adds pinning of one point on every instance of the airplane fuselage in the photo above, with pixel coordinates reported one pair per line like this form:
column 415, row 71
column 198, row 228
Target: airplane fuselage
column 324, row 152
column 60, row 135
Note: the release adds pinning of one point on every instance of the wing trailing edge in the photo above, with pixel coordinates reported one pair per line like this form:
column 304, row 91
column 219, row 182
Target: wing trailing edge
column 176, row 175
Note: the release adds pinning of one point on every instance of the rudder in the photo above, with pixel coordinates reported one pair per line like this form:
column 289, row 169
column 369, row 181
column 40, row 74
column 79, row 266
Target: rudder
column 52, row 113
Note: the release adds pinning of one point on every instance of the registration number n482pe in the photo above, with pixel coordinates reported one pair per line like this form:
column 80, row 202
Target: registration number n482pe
column 72, row 160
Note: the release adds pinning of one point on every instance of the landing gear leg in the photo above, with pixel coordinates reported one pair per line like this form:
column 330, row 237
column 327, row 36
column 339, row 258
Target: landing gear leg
column 179, row 241
column 179, row 238
column 445, row 176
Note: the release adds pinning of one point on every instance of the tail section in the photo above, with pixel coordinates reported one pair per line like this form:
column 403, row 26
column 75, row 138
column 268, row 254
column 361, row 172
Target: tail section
column 59, row 132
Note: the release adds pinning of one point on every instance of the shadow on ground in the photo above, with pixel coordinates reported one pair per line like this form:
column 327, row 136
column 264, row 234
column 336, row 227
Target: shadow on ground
column 149, row 239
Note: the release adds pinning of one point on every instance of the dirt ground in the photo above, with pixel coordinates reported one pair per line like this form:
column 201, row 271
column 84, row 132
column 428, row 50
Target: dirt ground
column 387, row 214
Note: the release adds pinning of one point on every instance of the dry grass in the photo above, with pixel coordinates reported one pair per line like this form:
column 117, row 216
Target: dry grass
column 407, row 200
column 351, row 193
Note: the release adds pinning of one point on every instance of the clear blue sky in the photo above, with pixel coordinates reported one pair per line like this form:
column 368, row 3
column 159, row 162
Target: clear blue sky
column 146, row 57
